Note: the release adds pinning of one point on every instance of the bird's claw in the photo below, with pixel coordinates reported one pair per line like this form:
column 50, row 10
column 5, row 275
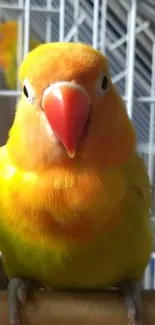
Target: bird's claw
column 133, row 300
column 17, row 292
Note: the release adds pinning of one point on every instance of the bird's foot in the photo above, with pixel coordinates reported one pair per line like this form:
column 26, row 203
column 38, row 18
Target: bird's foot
column 132, row 294
column 17, row 291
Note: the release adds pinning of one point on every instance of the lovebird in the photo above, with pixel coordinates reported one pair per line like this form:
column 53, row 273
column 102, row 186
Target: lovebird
column 75, row 195
column 8, row 51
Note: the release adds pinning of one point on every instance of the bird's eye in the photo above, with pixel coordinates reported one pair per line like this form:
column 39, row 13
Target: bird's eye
column 25, row 91
column 104, row 83
column 28, row 91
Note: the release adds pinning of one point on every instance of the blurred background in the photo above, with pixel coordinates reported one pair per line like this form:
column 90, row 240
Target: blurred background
column 122, row 29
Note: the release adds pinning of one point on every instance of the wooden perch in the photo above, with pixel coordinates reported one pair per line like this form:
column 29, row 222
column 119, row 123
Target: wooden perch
column 49, row 308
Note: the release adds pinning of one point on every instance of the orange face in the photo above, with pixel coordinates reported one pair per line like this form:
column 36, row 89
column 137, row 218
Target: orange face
column 70, row 111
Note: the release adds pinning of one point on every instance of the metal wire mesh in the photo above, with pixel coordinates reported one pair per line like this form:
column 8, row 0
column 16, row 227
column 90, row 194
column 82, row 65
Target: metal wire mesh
column 120, row 30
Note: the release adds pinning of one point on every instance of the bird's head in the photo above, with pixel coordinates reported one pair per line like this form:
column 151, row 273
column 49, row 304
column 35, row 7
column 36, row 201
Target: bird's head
column 69, row 110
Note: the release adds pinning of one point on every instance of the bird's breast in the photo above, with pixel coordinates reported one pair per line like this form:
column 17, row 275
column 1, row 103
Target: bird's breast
column 69, row 204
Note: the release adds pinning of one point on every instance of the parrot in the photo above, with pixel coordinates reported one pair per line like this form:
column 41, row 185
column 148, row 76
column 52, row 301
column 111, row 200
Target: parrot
column 8, row 52
column 75, row 195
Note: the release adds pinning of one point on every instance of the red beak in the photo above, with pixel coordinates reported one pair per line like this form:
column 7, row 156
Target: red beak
column 67, row 107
